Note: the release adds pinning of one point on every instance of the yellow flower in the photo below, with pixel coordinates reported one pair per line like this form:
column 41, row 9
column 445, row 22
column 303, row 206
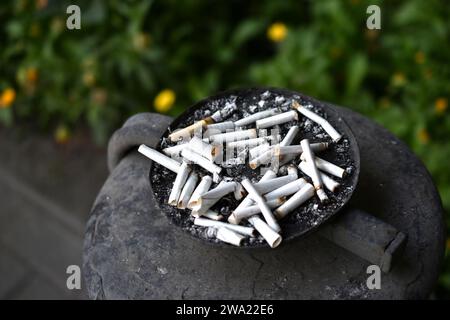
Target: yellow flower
column 7, row 98
column 141, row 41
column 419, row 57
column 423, row 136
column 62, row 134
column 164, row 100
column 88, row 78
column 277, row 32
column 398, row 79
column 32, row 75
column 440, row 105
column 428, row 73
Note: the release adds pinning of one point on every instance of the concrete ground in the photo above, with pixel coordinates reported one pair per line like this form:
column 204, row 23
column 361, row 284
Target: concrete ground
column 46, row 191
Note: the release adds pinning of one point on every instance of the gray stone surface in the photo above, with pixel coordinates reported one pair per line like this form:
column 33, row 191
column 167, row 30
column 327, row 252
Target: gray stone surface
column 131, row 251
column 366, row 236
column 46, row 191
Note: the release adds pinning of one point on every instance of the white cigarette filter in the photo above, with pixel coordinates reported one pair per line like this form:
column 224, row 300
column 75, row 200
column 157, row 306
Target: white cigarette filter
column 198, row 159
column 210, row 198
column 315, row 175
column 246, row 231
column 277, row 119
column 328, row 182
column 206, row 150
column 247, row 212
column 186, row 133
column 290, row 136
column 272, row 238
column 265, row 210
column 187, row 190
column 267, row 186
column 202, row 188
column 233, row 136
column 305, row 193
column 327, row 166
column 178, row 184
column 285, row 190
column 229, row 236
column 335, row 136
column 256, row 116
column 158, row 157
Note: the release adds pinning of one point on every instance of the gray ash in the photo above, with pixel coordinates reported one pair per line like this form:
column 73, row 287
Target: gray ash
column 306, row 217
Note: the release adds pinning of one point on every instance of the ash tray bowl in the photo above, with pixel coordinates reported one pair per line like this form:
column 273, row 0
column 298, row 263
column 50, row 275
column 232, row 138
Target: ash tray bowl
column 305, row 219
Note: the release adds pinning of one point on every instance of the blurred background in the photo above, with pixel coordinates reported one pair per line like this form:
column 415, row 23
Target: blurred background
column 63, row 92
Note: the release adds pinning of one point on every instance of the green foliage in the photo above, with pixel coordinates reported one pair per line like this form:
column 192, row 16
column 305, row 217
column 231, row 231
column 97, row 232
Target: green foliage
column 128, row 51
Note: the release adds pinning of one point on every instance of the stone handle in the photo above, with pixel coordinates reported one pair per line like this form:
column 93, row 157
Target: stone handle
column 366, row 236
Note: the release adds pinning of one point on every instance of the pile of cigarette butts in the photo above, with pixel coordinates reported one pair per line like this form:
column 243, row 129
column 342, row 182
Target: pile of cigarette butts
column 262, row 203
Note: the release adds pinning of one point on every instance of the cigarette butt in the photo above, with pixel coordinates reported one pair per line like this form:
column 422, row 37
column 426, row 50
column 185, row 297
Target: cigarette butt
column 247, row 231
column 210, row 198
column 239, row 191
column 206, row 150
column 247, row 212
column 286, row 190
column 198, row 159
column 233, row 136
column 264, row 187
column 158, row 157
column 290, row 136
column 256, row 116
column 271, row 237
column 178, row 184
column 328, row 167
column 210, row 214
column 175, row 150
column 265, row 210
column 202, row 188
column 229, row 236
column 221, row 126
column 329, row 183
column 277, row 119
column 247, row 201
column 187, row 132
column 305, row 193
column 257, row 151
column 335, row 136
column 315, row 176
column 188, row 188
